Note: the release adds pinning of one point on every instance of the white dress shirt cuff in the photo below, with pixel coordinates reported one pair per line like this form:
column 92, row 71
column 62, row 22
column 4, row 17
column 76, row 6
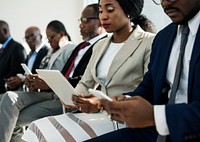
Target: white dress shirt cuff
column 160, row 120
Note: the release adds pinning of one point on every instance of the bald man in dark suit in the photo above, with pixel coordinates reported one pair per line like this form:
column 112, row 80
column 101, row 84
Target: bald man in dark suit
column 12, row 54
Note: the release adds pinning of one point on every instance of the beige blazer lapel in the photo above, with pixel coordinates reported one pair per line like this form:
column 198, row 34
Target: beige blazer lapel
column 127, row 50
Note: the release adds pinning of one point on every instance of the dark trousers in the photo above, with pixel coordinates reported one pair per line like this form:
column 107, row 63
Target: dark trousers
column 128, row 135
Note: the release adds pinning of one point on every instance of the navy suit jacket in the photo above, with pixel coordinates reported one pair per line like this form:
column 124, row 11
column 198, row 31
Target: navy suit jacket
column 40, row 55
column 183, row 119
column 10, row 62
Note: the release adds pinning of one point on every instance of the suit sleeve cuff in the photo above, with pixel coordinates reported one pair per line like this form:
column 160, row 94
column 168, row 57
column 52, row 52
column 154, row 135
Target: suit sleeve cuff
column 160, row 120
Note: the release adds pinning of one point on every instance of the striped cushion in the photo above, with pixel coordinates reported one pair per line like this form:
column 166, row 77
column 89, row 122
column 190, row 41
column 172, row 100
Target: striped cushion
column 69, row 127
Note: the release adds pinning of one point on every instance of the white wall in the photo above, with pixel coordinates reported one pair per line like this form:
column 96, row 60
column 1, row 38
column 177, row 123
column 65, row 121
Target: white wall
column 21, row 14
column 156, row 14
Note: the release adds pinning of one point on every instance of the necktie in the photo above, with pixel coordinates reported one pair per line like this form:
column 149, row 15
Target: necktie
column 179, row 67
column 72, row 63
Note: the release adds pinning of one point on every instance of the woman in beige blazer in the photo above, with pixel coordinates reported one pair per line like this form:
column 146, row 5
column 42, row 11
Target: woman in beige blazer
column 117, row 65
column 127, row 67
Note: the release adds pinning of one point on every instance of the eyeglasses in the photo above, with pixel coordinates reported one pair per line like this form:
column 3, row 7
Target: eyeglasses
column 31, row 36
column 158, row 2
column 84, row 20
column 50, row 38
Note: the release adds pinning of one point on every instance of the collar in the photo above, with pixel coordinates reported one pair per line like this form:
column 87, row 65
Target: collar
column 93, row 40
column 39, row 47
column 193, row 24
column 6, row 42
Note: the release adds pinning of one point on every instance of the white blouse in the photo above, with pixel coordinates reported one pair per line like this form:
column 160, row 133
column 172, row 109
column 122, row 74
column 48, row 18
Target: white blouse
column 105, row 62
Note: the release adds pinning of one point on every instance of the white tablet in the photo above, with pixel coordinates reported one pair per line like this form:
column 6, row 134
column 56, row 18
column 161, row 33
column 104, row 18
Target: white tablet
column 99, row 94
column 59, row 84
column 26, row 69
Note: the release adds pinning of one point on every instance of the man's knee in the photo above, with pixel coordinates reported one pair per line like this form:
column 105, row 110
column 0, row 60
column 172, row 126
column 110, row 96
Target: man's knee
column 12, row 96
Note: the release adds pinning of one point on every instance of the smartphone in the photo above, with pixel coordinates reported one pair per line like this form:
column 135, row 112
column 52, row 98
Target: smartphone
column 26, row 69
column 99, row 94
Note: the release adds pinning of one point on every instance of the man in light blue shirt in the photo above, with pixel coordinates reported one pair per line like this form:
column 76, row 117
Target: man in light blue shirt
column 33, row 38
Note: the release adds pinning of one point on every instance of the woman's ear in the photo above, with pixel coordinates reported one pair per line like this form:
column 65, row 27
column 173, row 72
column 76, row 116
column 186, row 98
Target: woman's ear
column 40, row 36
column 62, row 34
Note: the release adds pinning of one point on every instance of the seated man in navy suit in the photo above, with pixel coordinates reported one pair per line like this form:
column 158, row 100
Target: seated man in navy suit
column 38, row 51
column 148, row 113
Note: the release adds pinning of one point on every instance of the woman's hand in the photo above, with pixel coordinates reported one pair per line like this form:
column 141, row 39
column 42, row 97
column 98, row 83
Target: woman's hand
column 119, row 98
column 35, row 83
column 68, row 106
column 29, row 82
column 87, row 104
